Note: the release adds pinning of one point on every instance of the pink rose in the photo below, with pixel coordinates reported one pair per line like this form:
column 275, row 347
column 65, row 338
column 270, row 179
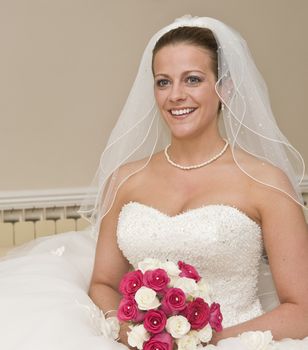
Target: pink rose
column 215, row 317
column 198, row 313
column 173, row 301
column 156, row 279
column 188, row 271
column 155, row 321
column 161, row 341
column 128, row 311
column 131, row 282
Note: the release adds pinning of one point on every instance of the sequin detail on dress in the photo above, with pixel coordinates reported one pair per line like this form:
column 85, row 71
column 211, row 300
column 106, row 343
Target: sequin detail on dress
column 222, row 242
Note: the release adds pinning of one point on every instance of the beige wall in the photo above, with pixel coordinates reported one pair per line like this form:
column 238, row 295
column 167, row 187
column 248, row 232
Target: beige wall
column 66, row 67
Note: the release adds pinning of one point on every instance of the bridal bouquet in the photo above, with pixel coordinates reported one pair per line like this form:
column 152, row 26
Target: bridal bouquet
column 167, row 306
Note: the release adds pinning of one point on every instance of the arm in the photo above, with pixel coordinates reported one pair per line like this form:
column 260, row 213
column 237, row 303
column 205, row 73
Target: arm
column 109, row 267
column 286, row 241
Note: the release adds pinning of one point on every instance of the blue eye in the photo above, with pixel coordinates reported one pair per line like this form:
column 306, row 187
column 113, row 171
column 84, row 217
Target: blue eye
column 193, row 80
column 162, row 82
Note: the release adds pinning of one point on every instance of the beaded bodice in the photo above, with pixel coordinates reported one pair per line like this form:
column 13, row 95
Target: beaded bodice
column 222, row 242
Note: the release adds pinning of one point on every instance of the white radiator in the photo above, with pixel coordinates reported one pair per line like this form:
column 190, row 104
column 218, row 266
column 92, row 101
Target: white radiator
column 27, row 215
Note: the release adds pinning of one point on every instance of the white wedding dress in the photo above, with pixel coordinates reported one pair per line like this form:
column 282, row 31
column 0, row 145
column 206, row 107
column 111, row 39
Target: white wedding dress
column 43, row 285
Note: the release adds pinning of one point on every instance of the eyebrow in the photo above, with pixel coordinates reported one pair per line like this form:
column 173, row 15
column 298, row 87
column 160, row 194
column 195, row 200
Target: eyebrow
column 184, row 73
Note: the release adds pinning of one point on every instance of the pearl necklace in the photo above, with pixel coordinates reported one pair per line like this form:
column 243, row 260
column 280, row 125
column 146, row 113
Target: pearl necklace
column 190, row 167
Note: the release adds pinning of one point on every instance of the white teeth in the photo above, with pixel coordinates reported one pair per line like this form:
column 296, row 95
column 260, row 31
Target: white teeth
column 182, row 111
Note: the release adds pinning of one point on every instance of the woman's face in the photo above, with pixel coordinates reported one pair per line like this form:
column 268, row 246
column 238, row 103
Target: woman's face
column 185, row 89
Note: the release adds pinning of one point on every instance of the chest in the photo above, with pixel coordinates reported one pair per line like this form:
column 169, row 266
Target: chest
column 173, row 194
column 212, row 235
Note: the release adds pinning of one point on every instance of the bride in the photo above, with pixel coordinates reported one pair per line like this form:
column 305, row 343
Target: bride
column 196, row 171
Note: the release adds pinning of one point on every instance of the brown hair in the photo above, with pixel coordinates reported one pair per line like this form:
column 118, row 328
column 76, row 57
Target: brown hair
column 201, row 37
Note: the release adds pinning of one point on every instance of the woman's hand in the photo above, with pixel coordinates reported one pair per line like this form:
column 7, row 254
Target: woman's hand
column 124, row 328
column 216, row 337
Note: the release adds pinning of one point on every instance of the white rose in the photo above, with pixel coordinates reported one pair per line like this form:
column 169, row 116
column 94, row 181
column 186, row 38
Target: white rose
column 188, row 285
column 146, row 298
column 137, row 336
column 257, row 340
column 188, row 342
column 203, row 291
column 172, row 282
column 177, row 326
column 171, row 268
column 205, row 334
column 149, row 264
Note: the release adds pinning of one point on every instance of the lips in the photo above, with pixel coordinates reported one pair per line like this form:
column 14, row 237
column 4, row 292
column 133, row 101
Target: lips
column 181, row 113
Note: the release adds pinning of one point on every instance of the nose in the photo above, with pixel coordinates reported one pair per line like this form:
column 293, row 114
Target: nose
column 177, row 93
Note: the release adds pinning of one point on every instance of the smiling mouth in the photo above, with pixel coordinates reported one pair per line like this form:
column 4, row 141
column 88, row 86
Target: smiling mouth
column 181, row 113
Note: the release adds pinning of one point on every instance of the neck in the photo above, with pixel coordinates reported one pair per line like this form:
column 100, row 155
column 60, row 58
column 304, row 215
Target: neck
column 194, row 151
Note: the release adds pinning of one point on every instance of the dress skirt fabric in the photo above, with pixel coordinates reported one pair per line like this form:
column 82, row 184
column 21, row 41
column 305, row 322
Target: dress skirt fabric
column 44, row 302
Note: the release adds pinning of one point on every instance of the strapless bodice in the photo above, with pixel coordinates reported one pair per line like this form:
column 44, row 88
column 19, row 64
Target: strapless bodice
column 222, row 242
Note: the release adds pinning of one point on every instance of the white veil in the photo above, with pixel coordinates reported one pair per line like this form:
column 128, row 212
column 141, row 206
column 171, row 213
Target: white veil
column 247, row 119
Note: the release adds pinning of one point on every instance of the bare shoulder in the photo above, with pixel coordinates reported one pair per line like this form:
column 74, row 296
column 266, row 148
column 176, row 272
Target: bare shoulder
column 117, row 189
column 264, row 172
column 130, row 168
column 269, row 187
column 130, row 176
column 140, row 167
column 274, row 196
